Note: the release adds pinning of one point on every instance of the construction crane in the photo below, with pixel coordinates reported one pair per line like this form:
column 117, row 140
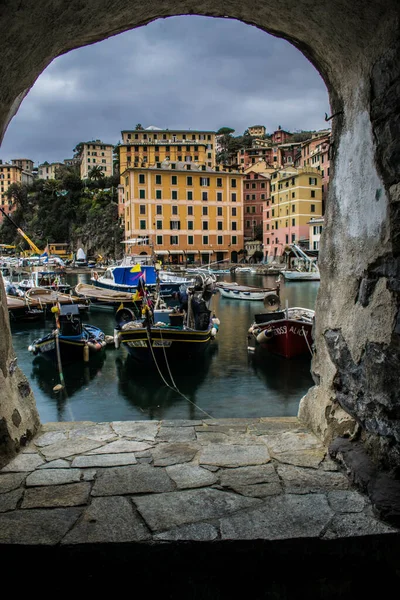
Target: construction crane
column 33, row 246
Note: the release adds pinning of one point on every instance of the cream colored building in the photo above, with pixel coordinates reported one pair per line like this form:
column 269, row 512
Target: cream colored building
column 316, row 227
column 49, row 170
column 257, row 130
column 9, row 174
column 97, row 154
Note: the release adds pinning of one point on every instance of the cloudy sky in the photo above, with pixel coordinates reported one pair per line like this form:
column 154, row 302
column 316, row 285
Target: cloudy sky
column 181, row 72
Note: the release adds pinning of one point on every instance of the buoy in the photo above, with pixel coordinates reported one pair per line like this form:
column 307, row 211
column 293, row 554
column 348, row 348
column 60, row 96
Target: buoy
column 214, row 332
column 264, row 336
column 116, row 339
column 86, row 353
column 57, row 387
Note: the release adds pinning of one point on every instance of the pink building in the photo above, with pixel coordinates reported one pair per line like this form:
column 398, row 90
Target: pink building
column 315, row 153
column 255, row 193
column 280, row 136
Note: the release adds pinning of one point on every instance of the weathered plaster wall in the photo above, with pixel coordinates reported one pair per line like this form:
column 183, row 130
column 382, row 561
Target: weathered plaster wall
column 355, row 48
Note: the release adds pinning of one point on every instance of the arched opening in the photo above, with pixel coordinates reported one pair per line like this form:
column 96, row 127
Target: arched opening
column 358, row 300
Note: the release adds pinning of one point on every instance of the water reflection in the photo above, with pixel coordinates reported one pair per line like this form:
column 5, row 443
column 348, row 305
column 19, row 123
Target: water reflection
column 155, row 393
column 285, row 375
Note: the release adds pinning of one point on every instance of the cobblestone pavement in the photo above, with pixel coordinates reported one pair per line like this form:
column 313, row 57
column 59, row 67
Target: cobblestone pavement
column 148, row 481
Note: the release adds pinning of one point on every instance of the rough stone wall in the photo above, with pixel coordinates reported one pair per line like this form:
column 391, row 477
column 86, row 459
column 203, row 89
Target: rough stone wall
column 354, row 46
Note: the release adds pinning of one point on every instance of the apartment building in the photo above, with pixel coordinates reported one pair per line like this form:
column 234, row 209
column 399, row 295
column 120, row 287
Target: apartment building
column 255, row 193
column 147, row 147
column 9, row 174
column 295, row 198
column 49, row 170
column 96, row 154
column 183, row 212
column 316, row 226
column 257, row 130
column 315, row 153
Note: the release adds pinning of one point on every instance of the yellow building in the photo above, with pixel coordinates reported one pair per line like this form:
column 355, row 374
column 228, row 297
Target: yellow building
column 296, row 197
column 49, row 170
column 9, row 174
column 149, row 147
column 257, row 130
column 97, row 154
column 183, row 212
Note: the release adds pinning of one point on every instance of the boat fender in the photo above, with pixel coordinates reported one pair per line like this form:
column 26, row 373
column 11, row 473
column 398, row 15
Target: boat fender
column 33, row 349
column 117, row 341
column 215, row 321
column 265, row 335
column 214, row 331
column 86, row 353
column 96, row 275
column 272, row 302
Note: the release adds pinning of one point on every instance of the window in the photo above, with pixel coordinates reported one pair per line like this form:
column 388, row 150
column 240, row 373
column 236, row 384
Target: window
column 158, row 195
column 174, row 195
column 234, row 225
column 233, row 183
column 159, row 239
column 312, row 180
column 190, row 195
column 174, row 210
column 205, row 240
column 174, row 240
column 219, row 181
column 174, row 180
column 142, row 209
column 142, row 193
column 204, row 195
column 312, row 207
column 312, row 193
column 205, row 225
column 273, row 212
column 159, row 209
column 219, row 225
column 219, row 196
column 293, row 222
column 158, row 179
column 233, row 197
column 190, row 224
column 234, row 240
column 220, row 240
column 190, row 240
column 143, row 224
column 293, row 208
column 174, row 224
column 204, row 181
column 159, row 224
column 190, row 210
column 293, row 237
column 189, row 180
column 234, row 211
column 142, row 179
column 205, row 210
column 219, row 211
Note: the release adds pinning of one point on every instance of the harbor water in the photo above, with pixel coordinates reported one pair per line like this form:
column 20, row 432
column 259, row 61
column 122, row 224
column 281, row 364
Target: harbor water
column 227, row 383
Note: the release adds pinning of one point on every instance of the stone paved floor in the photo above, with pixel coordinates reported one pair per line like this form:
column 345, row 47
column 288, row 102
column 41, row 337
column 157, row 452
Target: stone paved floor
column 153, row 482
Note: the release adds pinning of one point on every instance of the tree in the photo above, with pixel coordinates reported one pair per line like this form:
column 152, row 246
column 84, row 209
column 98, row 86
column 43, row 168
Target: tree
column 225, row 131
column 78, row 150
column 96, row 173
column 139, row 127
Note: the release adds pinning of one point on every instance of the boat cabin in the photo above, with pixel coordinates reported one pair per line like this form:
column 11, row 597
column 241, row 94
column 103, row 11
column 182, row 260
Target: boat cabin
column 70, row 320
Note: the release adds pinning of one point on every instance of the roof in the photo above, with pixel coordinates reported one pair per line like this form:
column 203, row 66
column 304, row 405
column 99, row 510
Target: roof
column 169, row 130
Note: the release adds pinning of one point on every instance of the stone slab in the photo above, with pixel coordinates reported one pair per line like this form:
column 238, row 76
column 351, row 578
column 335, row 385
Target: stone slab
column 357, row 524
column 176, row 434
column 191, row 476
column 233, row 456
column 122, row 446
column 9, row 500
column 101, row 432
column 145, row 431
column 293, row 516
column 166, row 454
column 165, row 511
column 302, row 458
column 56, row 464
column 291, row 441
column 104, row 460
column 135, row 479
column 303, row 481
column 37, row 527
column 53, row 477
column 108, row 520
column 69, row 448
column 72, row 494
column 11, row 481
column 198, row 532
column 23, row 462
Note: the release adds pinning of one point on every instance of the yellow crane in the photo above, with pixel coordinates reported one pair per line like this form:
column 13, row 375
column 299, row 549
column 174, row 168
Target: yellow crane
column 33, row 246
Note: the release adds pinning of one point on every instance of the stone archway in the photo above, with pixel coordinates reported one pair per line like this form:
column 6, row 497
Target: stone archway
column 356, row 49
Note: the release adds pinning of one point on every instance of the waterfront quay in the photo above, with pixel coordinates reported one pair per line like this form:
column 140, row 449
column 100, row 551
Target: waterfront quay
column 190, row 502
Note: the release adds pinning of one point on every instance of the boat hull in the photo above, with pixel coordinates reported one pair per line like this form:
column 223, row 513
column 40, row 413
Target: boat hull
column 301, row 276
column 72, row 348
column 167, row 289
column 288, row 337
column 164, row 343
column 238, row 293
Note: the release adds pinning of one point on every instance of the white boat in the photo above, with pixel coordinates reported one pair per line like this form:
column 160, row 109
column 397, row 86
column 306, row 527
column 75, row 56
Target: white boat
column 306, row 269
column 245, row 270
column 244, row 292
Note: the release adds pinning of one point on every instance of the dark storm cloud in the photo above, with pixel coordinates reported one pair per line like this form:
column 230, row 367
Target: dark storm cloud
column 182, row 72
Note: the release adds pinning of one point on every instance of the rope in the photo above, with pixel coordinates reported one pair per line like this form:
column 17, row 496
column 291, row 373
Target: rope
column 174, row 387
column 305, row 335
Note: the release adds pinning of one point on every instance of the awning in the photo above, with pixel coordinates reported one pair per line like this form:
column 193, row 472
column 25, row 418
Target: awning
column 136, row 241
column 176, row 251
column 161, row 252
column 206, row 251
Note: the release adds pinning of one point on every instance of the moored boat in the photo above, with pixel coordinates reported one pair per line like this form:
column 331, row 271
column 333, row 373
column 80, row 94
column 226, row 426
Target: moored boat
column 165, row 334
column 19, row 309
column 74, row 340
column 105, row 298
column 48, row 298
column 285, row 332
column 245, row 292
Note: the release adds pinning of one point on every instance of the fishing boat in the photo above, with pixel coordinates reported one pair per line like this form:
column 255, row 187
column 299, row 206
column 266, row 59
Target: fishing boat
column 306, row 268
column 105, row 298
column 125, row 277
column 245, row 292
column 71, row 340
column 169, row 334
column 20, row 309
column 47, row 297
column 44, row 279
column 285, row 332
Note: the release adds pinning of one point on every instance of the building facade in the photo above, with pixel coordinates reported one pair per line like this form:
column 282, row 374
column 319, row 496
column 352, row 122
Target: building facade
column 257, row 130
column 316, row 226
column 9, row 174
column 183, row 213
column 148, row 147
column 295, row 198
column 97, row 154
column 49, row 170
column 255, row 193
